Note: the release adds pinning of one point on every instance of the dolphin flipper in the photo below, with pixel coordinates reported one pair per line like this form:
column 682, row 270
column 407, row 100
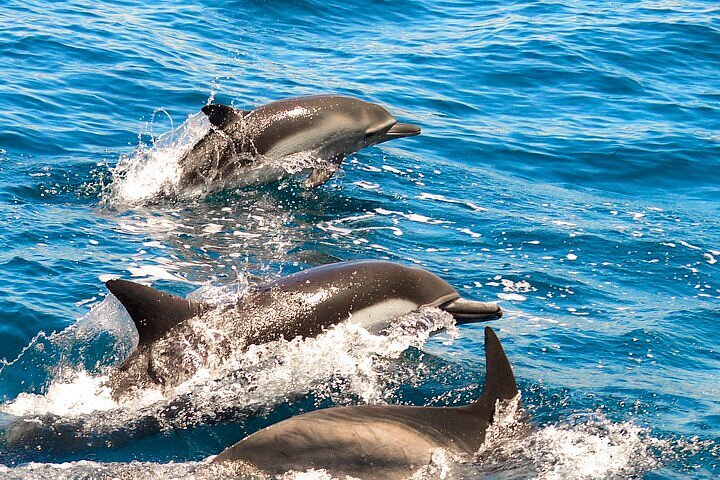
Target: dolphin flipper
column 220, row 116
column 499, row 380
column 318, row 176
column 153, row 312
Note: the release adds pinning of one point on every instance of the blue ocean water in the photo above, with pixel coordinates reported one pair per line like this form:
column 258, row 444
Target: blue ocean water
column 569, row 167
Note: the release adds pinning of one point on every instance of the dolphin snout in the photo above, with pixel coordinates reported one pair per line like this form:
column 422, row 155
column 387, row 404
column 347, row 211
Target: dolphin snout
column 469, row 311
column 400, row 130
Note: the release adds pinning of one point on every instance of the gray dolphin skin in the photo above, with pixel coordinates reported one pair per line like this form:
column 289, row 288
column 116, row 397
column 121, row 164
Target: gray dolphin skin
column 247, row 147
column 175, row 333
column 377, row 442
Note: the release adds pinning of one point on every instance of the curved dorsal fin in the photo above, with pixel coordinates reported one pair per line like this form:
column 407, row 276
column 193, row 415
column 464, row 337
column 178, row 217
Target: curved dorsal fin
column 153, row 312
column 499, row 380
column 221, row 116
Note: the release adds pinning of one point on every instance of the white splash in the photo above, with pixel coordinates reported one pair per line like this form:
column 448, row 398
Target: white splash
column 84, row 395
column 155, row 272
column 222, row 295
column 593, row 450
column 587, row 447
column 444, row 199
column 154, row 171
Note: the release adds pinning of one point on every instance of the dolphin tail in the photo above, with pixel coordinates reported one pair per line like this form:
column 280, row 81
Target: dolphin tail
column 153, row 312
column 499, row 381
column 469, row 311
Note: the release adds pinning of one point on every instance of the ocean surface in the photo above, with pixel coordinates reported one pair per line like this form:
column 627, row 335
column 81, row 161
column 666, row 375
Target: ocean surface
column 568, row 167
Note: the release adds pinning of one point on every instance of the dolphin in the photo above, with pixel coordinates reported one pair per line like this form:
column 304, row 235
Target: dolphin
column 177, row 336
column 377, row 441
column 245, row 147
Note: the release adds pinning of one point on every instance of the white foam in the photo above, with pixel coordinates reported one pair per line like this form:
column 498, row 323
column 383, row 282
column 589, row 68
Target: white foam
column 521, row 286
column 348, row 227
column 154, row 272
column 413, row 217
column 592, row 451
column 585, row 447
column 154, row 170
column 367, row 185
column 512, row 297
column 84, row 395
column 311, row 474
column 394, row 170
column 470, row 232
column 444, row 199
column 224, row 295
column 98, row 470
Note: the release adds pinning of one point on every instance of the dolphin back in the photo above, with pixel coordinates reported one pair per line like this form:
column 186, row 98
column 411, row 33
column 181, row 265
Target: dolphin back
column 153, row 312
column 365, row 282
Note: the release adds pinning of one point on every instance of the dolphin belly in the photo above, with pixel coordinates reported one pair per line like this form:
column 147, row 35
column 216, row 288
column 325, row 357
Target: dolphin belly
column 376, row 317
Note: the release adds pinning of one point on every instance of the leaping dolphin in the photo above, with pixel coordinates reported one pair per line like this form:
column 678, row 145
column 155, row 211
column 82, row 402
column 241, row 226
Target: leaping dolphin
column 373, row 441
column 247, row 147
column 177, row 335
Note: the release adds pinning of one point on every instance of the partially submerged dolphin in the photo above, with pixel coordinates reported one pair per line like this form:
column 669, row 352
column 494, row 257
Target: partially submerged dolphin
column 374, row 441
column 248, row 147
column 179, row 336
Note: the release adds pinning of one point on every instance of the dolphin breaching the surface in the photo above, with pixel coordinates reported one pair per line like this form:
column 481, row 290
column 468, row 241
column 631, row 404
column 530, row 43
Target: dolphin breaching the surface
column 177, row 336
column 252, row 147
column 377, row 441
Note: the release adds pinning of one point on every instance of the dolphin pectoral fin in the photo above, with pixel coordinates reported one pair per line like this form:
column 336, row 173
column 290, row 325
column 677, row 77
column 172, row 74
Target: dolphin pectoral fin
column 499, row 379
column 469, row 311
column 318, row 176
column 220, row 116
column 153, row 312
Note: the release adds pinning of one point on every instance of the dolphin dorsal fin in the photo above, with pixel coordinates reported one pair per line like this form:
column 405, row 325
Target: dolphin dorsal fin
column 221, row 116
column 499, row 381
column 153, row 312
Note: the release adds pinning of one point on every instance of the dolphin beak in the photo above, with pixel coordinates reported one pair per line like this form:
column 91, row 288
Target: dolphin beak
column 400, row 130
column 469, row 311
